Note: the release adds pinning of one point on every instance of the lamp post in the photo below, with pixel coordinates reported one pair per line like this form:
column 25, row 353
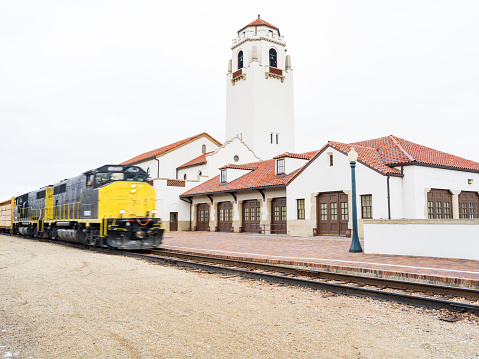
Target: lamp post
column 355, row 245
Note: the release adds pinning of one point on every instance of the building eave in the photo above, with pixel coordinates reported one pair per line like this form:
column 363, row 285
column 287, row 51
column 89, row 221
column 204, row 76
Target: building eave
column 233, row 191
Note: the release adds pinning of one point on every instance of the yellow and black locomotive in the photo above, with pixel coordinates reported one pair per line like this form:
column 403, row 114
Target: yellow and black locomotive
column 111, row 206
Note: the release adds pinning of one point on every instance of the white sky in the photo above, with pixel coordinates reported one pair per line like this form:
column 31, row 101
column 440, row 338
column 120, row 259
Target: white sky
column 85, row 83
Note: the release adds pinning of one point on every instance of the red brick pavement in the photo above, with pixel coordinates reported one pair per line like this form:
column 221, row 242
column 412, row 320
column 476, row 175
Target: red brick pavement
column 325, row 253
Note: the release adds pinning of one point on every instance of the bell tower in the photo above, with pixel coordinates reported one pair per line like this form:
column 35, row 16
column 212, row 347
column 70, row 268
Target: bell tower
column 259, row 90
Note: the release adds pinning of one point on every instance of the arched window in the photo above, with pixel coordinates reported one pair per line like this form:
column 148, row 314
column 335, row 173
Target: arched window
column 240, row 60
column 184, row 177
column 273, row 58
column 199, row 173
column 203, row 149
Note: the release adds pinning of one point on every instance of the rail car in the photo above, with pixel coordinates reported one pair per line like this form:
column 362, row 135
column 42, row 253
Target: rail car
column 111, row 206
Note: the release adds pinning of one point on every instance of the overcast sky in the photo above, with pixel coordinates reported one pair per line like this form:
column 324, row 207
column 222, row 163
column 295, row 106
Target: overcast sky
column 84, row 83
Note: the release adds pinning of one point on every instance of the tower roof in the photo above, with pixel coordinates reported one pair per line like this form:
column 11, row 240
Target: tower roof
column 259, row 22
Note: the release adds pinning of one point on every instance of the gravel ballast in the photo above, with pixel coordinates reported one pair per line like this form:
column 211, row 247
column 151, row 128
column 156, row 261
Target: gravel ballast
column 60, row 302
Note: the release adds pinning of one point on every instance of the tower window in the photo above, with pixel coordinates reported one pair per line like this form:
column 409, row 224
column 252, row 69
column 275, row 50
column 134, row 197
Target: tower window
column 223, row 176
column 271, row 137
column 240, row 60
column 184, row 177
column 203, row 149
column 277, row 138
column 273, row 58
column 331, row 161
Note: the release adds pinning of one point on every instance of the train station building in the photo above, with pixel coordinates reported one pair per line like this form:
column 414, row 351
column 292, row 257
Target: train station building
column 256, row 182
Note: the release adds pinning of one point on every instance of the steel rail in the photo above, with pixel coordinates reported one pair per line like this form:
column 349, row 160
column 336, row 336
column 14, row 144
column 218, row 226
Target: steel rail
column 358, row 279
column 316, row 285
column 306, row 283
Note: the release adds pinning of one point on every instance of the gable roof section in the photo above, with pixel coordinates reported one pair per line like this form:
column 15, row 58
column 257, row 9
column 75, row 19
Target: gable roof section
column 165, row 149
column 200, row 160
column 262, row 175
column 366, row 155
column 397, row 151
column 302, row 156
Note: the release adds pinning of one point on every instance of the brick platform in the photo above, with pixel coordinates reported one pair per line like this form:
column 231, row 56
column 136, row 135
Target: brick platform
column 325, row 253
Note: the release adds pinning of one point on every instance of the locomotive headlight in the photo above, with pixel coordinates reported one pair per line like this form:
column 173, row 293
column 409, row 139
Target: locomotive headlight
column 154, row 211
column 133, row 190
column 133, row 185
column 122, row 211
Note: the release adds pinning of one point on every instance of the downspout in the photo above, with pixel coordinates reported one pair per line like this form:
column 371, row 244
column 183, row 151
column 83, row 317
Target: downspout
column 158, row 174
column 389, row 198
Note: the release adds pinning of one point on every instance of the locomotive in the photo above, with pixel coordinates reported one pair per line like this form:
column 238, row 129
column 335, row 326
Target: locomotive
column 111, row 206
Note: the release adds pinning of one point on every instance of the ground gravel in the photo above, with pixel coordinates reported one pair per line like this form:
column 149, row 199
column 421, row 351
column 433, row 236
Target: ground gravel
column 59, row 302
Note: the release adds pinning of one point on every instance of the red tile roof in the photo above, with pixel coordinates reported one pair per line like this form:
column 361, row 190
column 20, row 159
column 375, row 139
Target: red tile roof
column 380, row 154
column 200, row 160
column 396, row 151
column 302, row 156
column 163, row 150
column 366, row 155
column 263, row 174
column 258, row 22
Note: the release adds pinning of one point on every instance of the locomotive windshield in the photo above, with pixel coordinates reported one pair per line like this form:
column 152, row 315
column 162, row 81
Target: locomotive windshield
column 118, row 173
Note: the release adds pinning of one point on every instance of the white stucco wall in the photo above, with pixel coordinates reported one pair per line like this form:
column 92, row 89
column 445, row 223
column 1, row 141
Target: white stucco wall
column 225, row 154
column 319, row 176
column 419, row 179
column 292, row 164
column 193, row 173
column 429, row 238
column 170, row 161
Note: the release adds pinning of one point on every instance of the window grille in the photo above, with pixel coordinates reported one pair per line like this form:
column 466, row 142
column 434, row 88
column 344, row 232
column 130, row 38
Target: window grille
column 301, row 211
column 367, row 206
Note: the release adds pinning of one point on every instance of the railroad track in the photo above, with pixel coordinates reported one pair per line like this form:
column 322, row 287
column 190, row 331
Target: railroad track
column 467, row 300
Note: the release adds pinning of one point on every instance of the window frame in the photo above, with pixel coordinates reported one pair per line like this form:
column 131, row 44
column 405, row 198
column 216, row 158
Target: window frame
column 223, row 177
column 300, row 208
column 272, row 51
column 240, row 59
column 367, row 207
column 280, row 169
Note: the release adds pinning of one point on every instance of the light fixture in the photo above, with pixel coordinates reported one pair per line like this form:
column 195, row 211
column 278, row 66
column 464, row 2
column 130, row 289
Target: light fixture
column 154, row 211
column 133, row 190
column 352, row 155
column 470, row 180
column 122, row 211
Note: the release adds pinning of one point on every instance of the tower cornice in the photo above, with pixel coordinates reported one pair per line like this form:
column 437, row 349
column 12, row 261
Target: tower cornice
column 258, row 39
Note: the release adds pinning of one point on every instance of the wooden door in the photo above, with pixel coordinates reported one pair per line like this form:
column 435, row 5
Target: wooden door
column 173, row 221
column 203, row 217
column 332, row 213
column 468, row 203
column 439, row 204
column 278, row 218
column 251, row 216
column 225, row 217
